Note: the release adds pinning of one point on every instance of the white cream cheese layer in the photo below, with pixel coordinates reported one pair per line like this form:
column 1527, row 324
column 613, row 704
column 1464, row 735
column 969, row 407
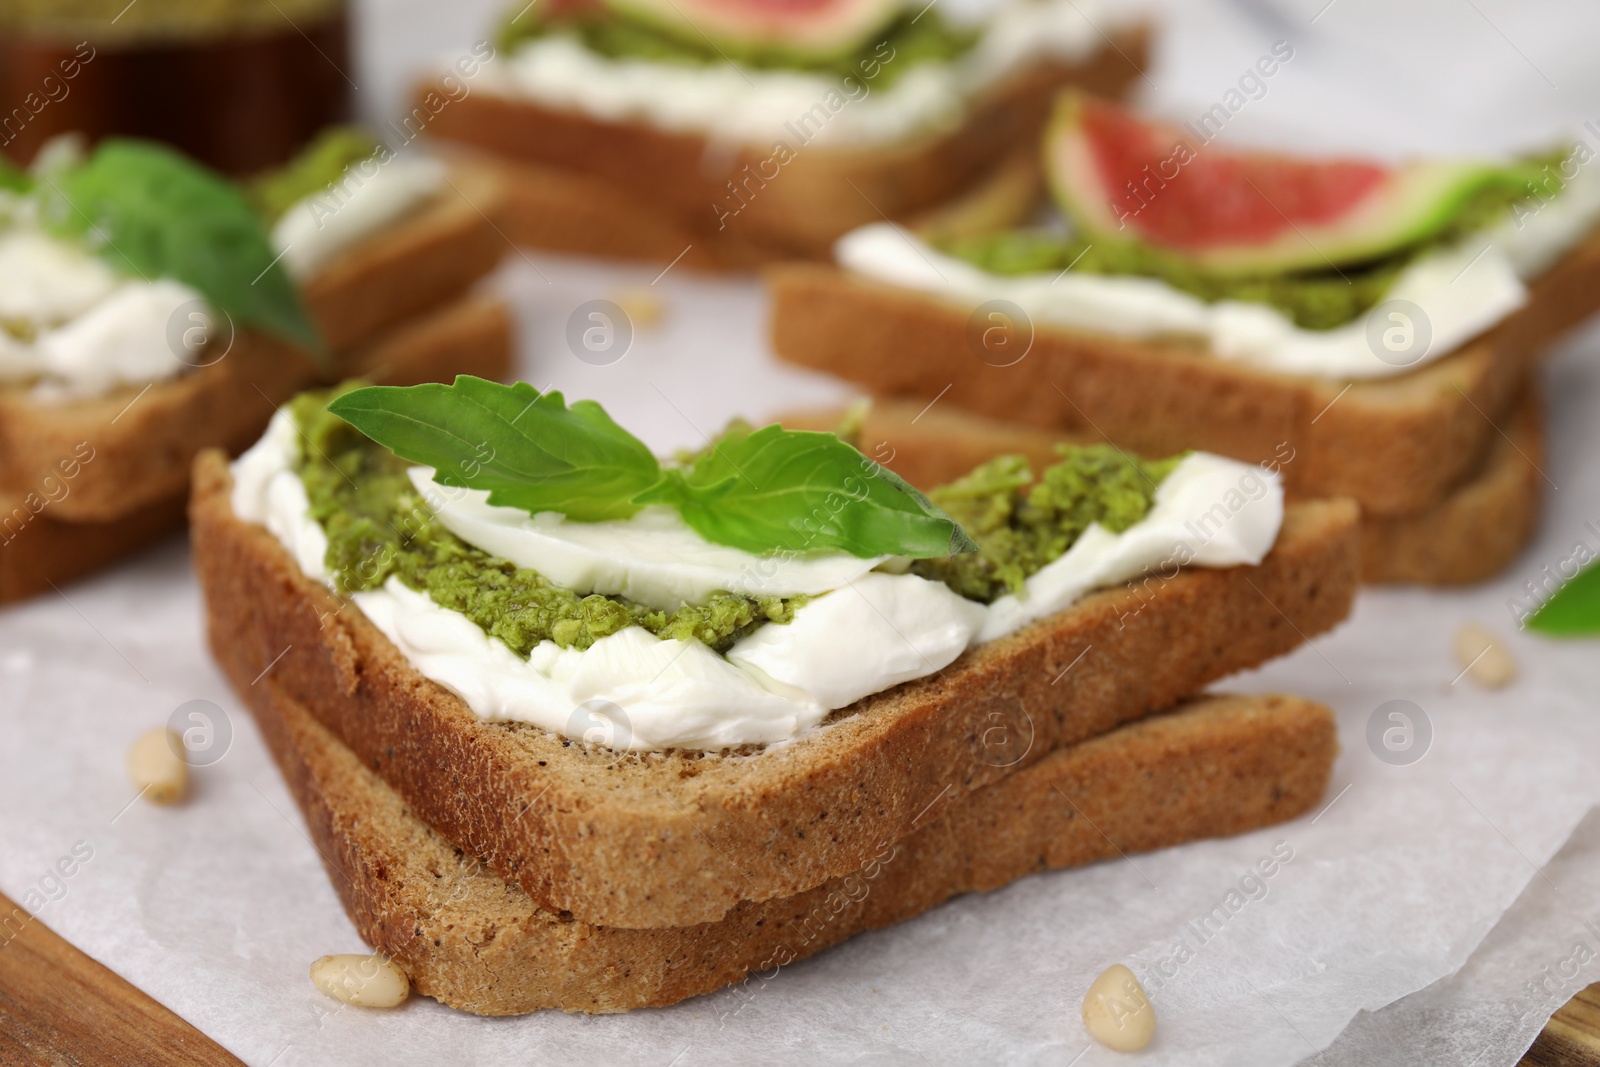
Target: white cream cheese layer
column 653, row 558
column 372, row 195
column 1463, row 290
column 863, row 631
column 741, row 105
column 73, row 326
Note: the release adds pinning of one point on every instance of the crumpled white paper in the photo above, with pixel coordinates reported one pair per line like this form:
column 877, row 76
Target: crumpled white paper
column 1543, row 950
column 218, row 907
column 1386, row 938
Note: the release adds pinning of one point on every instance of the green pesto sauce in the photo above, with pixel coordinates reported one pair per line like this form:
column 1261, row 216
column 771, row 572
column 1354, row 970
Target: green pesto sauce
column 319, row 165
column 378, row 525
column 1021, row 523
column 908, row 42
column 1312, row 300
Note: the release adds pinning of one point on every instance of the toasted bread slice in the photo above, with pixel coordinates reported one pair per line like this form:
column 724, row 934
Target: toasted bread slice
column 38, row 548
column 429, row 259
column 146, row 439
column 1218, row 765
column 1470, row 535
column 1397, row 446
column 676, row 838
column 563, row 211
column 628, row 189
column 1476, row 531
column 38, row 551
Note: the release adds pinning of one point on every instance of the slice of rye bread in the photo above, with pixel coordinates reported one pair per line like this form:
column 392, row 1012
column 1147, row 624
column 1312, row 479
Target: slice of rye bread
column 1470, row 535
column 429, row 259
column 562, row 211
column 38, row 549
column 676, row 838
column 1396, row 446
column 146, row 438
column 1216, row 766
column 630, row 189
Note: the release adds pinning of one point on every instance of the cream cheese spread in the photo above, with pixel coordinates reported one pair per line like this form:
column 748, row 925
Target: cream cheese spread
column 74, row 327
column 741, row 105
column 373, row 194
column 1462, row 290
column 653, row 558
column 864, row 630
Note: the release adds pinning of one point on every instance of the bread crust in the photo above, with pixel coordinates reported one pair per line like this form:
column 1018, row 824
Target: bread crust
column 1470, row 535
column 1216, row 766
column 1396, row 446
column 426, row 261
column 562, row 211
column 673, row 839
column 38, row 548
column 146, row 438
column 1484, row 523
column 629, row 189
column 38, row 551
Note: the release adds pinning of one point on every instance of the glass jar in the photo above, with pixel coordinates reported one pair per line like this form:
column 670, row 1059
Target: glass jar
column 239, row 84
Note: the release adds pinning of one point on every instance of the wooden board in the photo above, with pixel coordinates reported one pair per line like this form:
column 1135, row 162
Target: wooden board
column 59, row 1006
column 1572, row 1036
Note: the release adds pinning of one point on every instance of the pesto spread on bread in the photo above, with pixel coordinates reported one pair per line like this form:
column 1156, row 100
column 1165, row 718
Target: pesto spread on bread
column 316, row 167
column 1319, row 299
column 910, row 41
column 378, row 526
column 1022, row 523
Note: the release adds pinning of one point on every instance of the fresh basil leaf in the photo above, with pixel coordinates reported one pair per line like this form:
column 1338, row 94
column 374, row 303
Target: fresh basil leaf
column 151, row 212
column 529, row 450
column 763, row 491
column 1574, row 610
column 800, row 490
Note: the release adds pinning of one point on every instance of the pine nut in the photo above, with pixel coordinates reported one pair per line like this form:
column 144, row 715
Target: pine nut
column 365, row 981
column 157, row 768
column 1483, row 656
column 644, row 307
column 1116, row 1011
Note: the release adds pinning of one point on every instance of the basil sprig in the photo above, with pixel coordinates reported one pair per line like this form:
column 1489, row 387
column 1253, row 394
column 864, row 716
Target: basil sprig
column 151, row 212
column 1574, row 610
column 761, row 491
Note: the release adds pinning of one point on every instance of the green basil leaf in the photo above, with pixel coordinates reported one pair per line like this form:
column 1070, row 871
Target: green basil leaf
column 763, row 491
column 800, row 490
column 151, row 212
column 529, row 450
column 1574, row 610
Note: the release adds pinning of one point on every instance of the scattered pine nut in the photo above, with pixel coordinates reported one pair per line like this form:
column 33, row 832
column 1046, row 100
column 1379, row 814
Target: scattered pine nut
column 1116, row 1011
column 365, row 981
column 644, row 307
column 157, row 768
column 1483, row 656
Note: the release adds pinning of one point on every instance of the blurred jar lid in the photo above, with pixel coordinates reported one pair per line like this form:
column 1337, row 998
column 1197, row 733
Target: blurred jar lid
column 109, row 23
column 238, row 84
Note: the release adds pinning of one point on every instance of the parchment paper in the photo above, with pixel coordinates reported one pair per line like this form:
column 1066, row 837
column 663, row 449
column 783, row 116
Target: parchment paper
column 1403, row 876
